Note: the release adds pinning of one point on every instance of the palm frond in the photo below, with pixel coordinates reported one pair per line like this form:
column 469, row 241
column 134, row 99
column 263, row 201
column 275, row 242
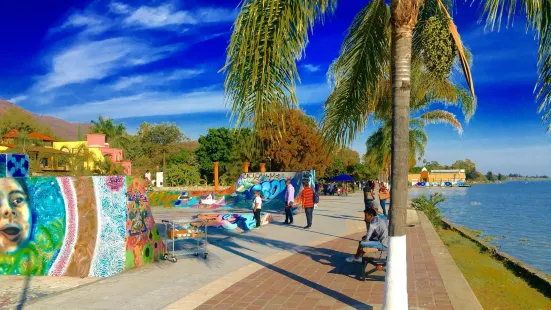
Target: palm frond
column 441, row 117
column 356, row 74
column 459, row 45
column 268, row 37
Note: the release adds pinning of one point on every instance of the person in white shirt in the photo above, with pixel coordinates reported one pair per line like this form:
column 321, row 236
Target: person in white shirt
column 257, row 207
column 148, row 175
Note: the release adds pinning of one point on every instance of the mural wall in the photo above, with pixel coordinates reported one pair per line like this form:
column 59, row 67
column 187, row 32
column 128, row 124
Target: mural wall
column 270, row 184
column 14, row 165
column 86, row 226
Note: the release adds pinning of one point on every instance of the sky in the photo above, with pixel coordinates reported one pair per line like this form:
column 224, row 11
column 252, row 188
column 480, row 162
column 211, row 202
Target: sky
column 159, row 61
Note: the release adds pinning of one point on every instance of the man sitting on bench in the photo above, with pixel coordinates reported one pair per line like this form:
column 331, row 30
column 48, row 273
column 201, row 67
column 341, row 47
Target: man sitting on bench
column 376, row 227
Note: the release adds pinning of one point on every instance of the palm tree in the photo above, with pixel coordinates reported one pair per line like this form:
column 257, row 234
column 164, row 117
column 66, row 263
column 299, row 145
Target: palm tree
column 108, row 128
column 426, row 91
column 269, row 36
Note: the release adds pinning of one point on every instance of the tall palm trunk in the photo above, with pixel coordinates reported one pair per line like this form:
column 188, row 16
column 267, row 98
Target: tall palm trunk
column 403, row 20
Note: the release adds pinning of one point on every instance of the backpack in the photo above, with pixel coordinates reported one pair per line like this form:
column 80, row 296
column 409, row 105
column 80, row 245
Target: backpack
column 316, row 197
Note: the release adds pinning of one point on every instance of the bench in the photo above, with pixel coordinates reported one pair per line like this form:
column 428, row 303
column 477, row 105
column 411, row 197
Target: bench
column 376, row 258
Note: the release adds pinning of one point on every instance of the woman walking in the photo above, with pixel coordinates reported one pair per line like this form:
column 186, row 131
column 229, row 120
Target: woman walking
column 384, row 195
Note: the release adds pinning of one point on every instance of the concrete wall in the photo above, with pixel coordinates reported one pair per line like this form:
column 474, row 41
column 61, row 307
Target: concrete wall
column 86, row 226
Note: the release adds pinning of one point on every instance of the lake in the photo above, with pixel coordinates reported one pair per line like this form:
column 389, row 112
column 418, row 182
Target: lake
column 517, row 213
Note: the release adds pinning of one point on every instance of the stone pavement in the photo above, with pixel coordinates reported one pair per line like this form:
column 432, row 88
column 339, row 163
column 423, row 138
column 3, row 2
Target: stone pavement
column 273, row 267
column 320, row 278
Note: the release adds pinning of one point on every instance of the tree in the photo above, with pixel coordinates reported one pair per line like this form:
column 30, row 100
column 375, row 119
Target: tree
column 107, row 127
column 299, row 144
column 159, row 138
column 490, row 176
column 216, row 146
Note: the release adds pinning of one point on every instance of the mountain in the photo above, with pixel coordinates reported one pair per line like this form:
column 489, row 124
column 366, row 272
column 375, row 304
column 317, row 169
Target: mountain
column 61, row 128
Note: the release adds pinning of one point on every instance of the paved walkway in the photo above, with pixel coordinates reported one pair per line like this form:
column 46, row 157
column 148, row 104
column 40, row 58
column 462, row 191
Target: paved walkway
column 273, row 267
column 320, row 278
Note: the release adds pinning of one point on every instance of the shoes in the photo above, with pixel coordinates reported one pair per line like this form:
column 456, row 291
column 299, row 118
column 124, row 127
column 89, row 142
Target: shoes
column 290, row 223
column 285, row 222
column 307, row 227
column 352, row 259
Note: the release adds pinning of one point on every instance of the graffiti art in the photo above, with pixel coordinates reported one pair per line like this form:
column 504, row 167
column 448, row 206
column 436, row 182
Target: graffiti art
column 86, row 226
column 271, row 185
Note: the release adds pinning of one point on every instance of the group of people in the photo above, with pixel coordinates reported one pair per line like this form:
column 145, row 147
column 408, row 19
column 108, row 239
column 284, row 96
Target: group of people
column 333, row 188
column 376, row 195
column 308, row 196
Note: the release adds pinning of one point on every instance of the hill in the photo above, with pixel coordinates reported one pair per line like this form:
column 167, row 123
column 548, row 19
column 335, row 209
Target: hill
column 61, row 128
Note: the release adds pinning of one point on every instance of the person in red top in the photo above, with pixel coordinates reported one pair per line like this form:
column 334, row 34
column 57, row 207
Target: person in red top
column 307, row 196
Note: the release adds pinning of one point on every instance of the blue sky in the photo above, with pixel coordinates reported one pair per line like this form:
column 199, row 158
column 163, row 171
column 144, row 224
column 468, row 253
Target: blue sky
column 158, row 61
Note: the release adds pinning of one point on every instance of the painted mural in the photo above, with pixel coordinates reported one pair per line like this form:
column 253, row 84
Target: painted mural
column 14, row 166
column 86, row 226
column 270, row 184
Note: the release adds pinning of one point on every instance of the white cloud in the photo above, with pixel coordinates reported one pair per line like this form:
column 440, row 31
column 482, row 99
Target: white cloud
column 119, row 8
column 167, row 15
column 147, row 104
column 17, row 99
column 99, row 59
column 154, row 79
column 313, row 93
column 311, row 68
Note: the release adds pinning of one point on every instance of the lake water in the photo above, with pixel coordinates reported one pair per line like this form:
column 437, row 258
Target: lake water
column 517, row 213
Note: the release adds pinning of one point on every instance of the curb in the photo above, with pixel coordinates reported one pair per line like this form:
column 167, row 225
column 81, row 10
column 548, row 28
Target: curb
column 459, row 291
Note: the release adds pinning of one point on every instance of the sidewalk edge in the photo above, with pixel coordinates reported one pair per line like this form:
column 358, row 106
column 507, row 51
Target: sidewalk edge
column 459, row 291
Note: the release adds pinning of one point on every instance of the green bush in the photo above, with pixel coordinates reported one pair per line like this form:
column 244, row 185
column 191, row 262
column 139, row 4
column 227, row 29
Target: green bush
column 429, row 206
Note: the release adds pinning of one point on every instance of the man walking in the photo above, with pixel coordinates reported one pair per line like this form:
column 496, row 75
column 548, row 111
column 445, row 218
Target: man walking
column 308, row 201
column 289, row 200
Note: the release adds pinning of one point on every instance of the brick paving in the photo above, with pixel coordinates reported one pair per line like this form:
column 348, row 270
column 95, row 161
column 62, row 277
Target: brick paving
column 320, row 278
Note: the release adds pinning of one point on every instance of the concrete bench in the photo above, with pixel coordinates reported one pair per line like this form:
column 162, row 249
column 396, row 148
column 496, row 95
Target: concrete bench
column 376, row 258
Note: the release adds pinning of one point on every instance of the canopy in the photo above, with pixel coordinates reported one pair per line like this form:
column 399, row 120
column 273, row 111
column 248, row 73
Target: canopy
column 343, row 178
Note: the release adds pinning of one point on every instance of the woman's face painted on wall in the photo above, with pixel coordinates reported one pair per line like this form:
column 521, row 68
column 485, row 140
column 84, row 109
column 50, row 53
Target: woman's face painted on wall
column 15, row 215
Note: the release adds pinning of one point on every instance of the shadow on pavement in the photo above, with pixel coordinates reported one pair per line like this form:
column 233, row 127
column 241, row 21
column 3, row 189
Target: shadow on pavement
column 235, row 249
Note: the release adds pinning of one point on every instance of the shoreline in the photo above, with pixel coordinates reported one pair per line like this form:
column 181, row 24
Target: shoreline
column 535, row 278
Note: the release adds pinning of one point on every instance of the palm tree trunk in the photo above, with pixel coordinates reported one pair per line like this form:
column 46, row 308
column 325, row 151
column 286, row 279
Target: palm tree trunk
column 403, row 20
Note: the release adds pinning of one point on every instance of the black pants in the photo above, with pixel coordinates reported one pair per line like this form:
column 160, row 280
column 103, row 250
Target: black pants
column 288, row 215
column 309, row 213
column 257, row 217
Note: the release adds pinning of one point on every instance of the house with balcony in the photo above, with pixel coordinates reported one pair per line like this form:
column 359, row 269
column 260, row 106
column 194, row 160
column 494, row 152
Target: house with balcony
column 97, row 151
column 39, row 147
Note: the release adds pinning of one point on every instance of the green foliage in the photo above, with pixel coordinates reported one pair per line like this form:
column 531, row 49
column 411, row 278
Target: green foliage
column 430, row 207
column 490, row 176
column 438, row 47
column 107, row 127
column 216, row 146
column 182, row 174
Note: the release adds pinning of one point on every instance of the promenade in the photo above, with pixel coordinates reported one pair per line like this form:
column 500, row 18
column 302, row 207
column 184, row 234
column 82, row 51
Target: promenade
column 279, row 267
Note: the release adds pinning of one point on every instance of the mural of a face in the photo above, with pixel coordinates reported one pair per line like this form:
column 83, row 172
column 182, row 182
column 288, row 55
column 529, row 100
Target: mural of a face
column 15, row 215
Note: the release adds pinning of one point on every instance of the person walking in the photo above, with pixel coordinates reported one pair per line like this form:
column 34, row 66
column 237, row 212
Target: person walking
column 308, row 199
column 368, row 195
column 384, row 195
column 257, row 207
column 289, row 200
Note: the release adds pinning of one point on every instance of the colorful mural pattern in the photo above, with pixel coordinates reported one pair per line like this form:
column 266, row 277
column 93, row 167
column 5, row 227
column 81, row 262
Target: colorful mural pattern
column 271, row 185
column 14, row 166
column 87, row 226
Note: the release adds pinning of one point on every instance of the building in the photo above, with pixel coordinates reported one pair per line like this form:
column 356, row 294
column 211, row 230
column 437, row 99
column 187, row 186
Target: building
column 437, row 176
column 55, row 156
column 39, row 147
column 98, row 150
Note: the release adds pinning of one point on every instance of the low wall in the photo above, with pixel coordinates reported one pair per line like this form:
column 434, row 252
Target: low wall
column 85, row 226
column 535, row 278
